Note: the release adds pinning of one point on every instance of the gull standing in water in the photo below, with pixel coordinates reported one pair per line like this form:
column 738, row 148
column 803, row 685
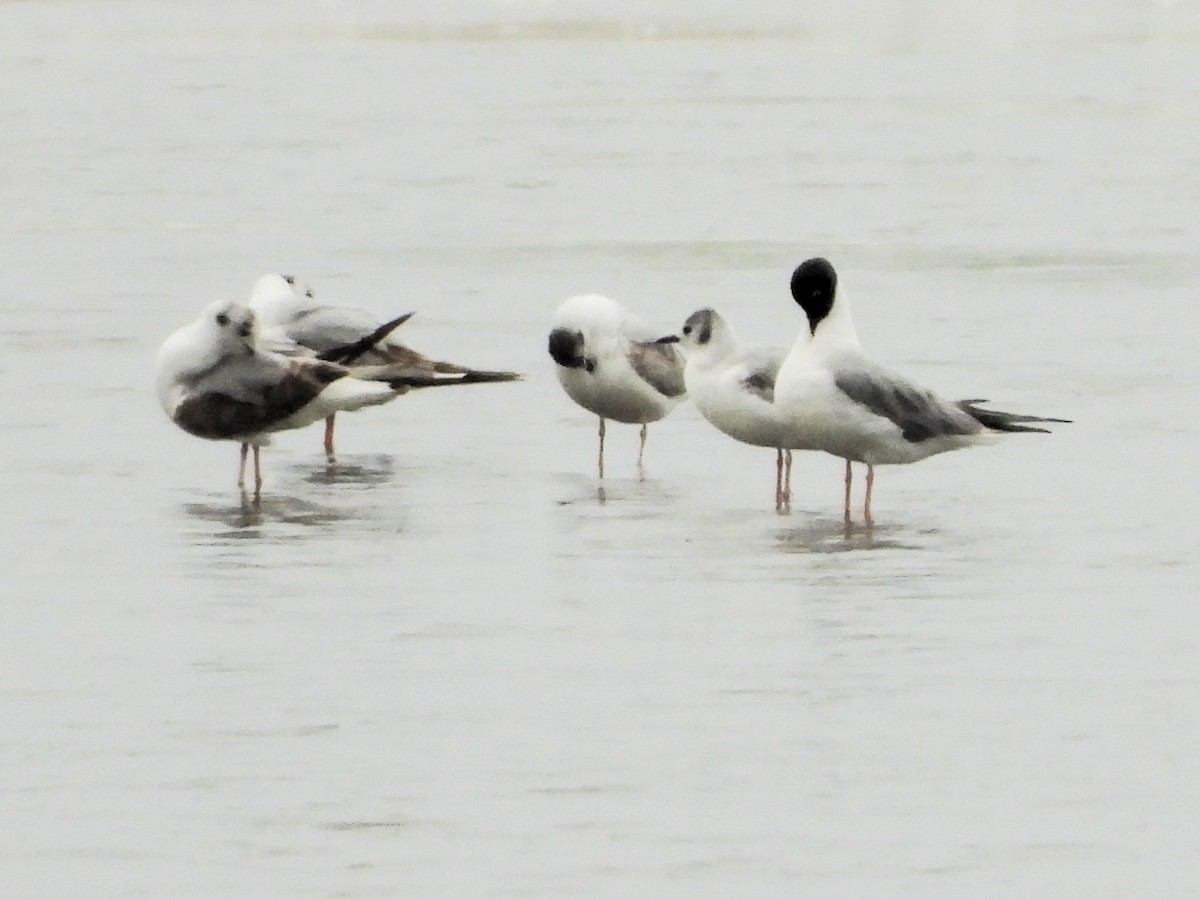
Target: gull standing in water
column 846, row 404
column 288, row 312
column 611, row 364
column 218, row 380
column 734, row 387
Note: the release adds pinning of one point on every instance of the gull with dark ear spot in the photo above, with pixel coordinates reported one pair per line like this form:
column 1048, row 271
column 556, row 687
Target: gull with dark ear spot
column 609, row 363
column 733, row 386
column 218, row 380
column 291, row 315
column 846, row 404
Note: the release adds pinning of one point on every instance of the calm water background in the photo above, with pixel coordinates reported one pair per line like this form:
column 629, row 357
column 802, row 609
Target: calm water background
column 450, row 666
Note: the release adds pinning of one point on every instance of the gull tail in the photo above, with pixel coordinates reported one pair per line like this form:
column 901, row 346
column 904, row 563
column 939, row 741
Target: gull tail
column 1003, row 421
column 423, row 379
column 402, row 378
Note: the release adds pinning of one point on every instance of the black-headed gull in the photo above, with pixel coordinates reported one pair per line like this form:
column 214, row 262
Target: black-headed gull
column 733, row 385
column 846, row 404
column 288, row 312
column 611, row 364
column 217, row 380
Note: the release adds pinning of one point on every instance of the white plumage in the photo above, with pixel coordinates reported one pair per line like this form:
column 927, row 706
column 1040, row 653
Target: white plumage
column 609, row 362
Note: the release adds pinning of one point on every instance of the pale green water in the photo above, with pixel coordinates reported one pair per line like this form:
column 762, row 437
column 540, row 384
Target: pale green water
column 444, row 669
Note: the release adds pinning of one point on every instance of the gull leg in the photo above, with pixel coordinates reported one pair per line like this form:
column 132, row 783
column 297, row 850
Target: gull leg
column 642, row 452
column 329, row 436
column 847, row 505
column 257, row 474
column 601, row 446
column 242, row 466
column 867, row 503
column 778, row 479
column 787, row 480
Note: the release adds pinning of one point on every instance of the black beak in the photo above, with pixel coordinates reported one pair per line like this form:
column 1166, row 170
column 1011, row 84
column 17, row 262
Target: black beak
column 668, row 339
column 245, row 329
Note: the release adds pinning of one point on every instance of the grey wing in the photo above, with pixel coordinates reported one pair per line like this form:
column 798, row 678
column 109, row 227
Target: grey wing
column 326, row 327
column 244, row 377
column 918, row 413
column 762, row 367
column 660, row 366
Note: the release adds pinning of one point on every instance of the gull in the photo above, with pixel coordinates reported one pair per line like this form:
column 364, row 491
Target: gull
column 611, row 364
column 217, row 379
column 292, row 319
column 733, row 385
column 846, row 404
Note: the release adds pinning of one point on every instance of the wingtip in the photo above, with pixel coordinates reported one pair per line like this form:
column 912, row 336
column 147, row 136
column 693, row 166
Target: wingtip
column 476, row 375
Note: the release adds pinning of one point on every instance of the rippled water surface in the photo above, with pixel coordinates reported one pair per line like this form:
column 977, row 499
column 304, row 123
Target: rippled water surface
column 455, row 664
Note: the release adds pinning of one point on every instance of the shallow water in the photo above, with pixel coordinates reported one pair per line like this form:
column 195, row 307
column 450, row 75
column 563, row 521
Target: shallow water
column 454, row 663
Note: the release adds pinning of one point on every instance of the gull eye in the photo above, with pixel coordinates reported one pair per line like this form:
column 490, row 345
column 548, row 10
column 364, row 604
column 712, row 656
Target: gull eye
column 687, row 329
column 290, row 279
column 222, row 319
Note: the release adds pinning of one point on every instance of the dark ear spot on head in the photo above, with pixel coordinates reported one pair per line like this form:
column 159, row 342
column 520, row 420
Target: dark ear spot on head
column 705, row 332
column 566, row 348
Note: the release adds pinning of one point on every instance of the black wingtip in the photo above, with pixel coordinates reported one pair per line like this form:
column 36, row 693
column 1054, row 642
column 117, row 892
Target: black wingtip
column 425, row 379
column 348, row 353
column 1003, row 421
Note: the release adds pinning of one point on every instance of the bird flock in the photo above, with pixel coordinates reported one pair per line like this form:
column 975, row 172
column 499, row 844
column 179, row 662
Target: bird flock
column 824, row 393
column 242, row 371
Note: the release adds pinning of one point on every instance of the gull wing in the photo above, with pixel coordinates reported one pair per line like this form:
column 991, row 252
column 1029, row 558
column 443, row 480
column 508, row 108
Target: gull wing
column 659, row 365
column 918, row 413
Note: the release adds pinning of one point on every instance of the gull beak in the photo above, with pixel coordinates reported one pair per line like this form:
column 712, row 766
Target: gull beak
column 668, row 339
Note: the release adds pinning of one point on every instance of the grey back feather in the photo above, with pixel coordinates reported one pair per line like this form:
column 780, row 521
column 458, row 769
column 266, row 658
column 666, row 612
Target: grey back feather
column 660, row 366
column 762, row 367
column 918, row 413
column 326, row 327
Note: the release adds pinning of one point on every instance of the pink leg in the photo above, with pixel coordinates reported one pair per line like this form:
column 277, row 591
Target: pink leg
column 847, row 506
column 257, row 473
column 778, row 480
column 242, row 466
column 867, row 504
column 329, row 437
column 601, row 447
column 787, row 479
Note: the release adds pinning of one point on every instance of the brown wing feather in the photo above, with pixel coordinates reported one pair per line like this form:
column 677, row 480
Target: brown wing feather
column 218, row 416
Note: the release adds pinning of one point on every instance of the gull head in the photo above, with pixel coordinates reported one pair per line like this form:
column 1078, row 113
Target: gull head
column 814, row 287
column 279, row 298
column 566, row 348
column 235, row 325
column 704, row 334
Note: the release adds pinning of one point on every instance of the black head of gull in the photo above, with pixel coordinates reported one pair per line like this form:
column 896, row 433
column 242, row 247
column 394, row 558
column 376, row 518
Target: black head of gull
column 814, row 287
